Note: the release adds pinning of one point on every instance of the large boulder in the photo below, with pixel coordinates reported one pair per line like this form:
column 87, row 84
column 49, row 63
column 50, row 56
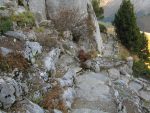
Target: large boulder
column 83, row 6
column 38, row 8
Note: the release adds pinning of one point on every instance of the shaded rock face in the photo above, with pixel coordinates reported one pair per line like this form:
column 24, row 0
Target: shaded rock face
column 38, row 7
column 84, row 7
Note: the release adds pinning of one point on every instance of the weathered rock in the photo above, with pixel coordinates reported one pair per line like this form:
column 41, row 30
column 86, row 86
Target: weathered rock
column 67, row 35
column 16, row 34
column 30, row 107
column 31, row 36
column 85, row 110
column 130, row 62
column 92, row 82
column 10, row 92
column 84, row 7
column 5, row 51
column 68, row 79
column 31, row 50
column 50, row 61
column 130, row 106
column 145, row 95
column 68, row 97
column 114, row 73
column 57, row 111
column 93, row 65
column 38, row 7
column 135, row 86
column 125, row 70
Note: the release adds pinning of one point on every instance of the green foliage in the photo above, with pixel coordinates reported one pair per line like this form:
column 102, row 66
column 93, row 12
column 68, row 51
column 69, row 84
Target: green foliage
column 103, row 29
column 97, row 9
column 24, row 19
column 128, row 31
column 20, row 2
column 5, row 24
column 140, row 69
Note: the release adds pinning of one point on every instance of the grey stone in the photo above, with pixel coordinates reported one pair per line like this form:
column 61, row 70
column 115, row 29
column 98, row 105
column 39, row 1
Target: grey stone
column 31, row 36
column 10, row 92
column 114, row 73
column 135, row 86
column 57, row 111
column 31, row 50
column 84, row 7
column 5, row 51
column 16, row 34
column 92, row 87
column 68, row 79
column 145, row 95
column 86, row 110
column 125, row 70
column 38, row 7
column 50, row 61
column 130, row 62
column 31, row 107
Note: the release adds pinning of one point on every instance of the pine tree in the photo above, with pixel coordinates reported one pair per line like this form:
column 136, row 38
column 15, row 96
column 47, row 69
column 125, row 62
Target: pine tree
column 126, row 26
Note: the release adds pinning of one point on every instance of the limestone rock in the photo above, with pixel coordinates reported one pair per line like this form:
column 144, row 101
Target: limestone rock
column 10, row 91
column 31, row 50
column 87, row 111
column 130, row 62
column 38, row 7
column 50, row 61
column 57, row 111
column 68, row 79
column 84, row 7
column 5, row 51
column 145, row 95
column 16, row 34
column 114, row 73
column 30, row 107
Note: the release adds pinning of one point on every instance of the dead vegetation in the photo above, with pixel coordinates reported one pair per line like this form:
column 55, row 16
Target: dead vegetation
column 53, row 100
column 81, row 25
column 13, row 60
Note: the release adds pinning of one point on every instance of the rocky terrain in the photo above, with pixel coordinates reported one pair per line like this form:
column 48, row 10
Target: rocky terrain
column 45, row 70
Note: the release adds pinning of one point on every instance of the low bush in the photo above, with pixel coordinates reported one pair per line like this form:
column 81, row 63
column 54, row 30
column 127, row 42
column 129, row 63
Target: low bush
column 103, row 29
column 5, row 24
column 83, row 56
column 97, row 9
column 25, row 19
column 141, row 69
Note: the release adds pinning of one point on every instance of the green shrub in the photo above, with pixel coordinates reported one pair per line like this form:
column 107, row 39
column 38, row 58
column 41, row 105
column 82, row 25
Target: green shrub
column 5, row 24
column 97, row 9
column 103, row 29
column 141, row 69
column 25, row 19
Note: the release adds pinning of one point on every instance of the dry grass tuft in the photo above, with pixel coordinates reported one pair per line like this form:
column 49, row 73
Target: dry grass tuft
column 12, row 61
column 53, row 100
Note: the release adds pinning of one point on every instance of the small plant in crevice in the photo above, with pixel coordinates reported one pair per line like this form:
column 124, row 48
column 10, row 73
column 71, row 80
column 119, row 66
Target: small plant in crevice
column 25, row 19
column 5, row 24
